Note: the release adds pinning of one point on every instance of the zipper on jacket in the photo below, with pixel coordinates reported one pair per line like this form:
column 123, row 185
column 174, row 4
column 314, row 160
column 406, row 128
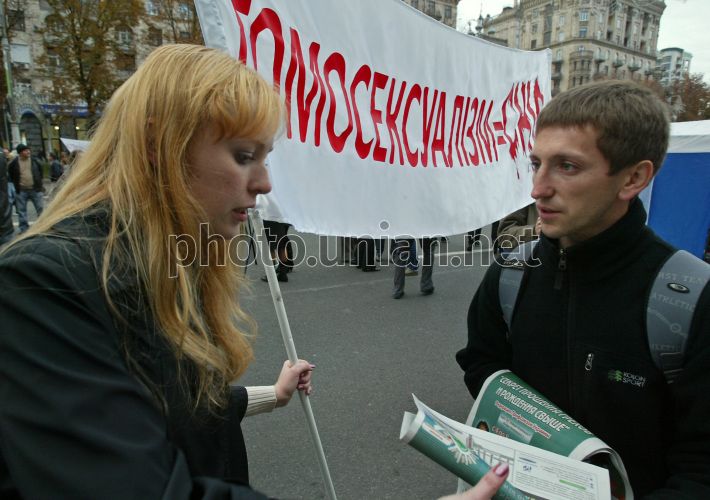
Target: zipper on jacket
column 561, row 268
column 588, row 363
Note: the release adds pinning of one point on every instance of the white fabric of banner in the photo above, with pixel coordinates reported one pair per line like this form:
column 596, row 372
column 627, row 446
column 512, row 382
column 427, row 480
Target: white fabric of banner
column 74, row 144
column 397, row 124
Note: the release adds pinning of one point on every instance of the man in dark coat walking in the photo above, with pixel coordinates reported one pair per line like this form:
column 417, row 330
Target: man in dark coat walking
column 26, row 175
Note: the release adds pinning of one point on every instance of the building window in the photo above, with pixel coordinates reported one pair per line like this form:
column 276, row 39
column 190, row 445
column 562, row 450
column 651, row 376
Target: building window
column 415, row 4
column 584, row 15
column 184, row 35
column 534, row 28
column 533, row 44
column 561, row 36
column 124, row 36
column 547, row 38
column 126, row 62
column 562, row 20
column 431, row 5
column 54, row 62
column 155, row 36
column 447, row 12
column 152, row 8
column 583, row 32
column 618, row 23
column 24, row 85
column 16, row 20
column 20, row 53
column 184, row 11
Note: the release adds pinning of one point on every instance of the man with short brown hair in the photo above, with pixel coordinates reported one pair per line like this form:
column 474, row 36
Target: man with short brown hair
column 580, row 312
column 26, row 174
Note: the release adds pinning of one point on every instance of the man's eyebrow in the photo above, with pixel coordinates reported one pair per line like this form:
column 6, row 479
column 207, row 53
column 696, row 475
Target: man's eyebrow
column 562, row 156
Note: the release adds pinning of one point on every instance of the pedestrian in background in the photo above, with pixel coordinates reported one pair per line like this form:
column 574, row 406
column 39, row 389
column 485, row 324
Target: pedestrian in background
column 519, row 227
column 400, row 258
column 26, row 175
column 56, row 169
column 7, row 230
column 280, row 248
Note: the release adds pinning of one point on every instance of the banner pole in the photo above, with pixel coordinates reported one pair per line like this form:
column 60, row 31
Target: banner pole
column 258, row 224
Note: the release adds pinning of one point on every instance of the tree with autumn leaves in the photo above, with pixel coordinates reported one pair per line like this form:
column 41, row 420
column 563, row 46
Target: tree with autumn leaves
column 82, row 48
column 693, row 95
column 178, row 17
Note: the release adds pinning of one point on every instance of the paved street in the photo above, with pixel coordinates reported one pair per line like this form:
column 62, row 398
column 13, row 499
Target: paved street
column 372, row 353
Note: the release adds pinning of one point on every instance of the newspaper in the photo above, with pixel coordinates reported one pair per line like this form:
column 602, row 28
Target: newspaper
column 469, row 453
column 509, row 407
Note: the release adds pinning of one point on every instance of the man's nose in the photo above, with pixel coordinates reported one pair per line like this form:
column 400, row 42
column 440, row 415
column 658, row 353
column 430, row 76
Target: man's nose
column 542, row 187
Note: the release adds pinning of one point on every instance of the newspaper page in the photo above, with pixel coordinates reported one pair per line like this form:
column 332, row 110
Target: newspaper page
column 508, row 407
column 469, row 453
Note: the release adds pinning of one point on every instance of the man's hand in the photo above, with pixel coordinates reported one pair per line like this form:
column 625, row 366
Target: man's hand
column 291, row 378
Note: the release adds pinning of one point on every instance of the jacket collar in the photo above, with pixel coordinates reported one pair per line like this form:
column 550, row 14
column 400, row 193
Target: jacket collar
column 605, row 252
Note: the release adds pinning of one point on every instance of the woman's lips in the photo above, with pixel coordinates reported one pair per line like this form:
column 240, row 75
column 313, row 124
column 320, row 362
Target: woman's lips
column 240, row 214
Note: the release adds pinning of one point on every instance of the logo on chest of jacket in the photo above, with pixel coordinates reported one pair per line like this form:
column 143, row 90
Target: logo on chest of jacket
column 627, row 378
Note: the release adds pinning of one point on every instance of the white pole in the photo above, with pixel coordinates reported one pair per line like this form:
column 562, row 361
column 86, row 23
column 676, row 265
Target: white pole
column 258, row 224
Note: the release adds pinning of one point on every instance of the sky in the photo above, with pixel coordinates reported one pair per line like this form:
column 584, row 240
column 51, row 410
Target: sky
column 684, row 24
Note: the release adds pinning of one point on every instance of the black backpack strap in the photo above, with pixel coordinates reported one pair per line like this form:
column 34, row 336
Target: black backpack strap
column 671, row 304
column 511, row 276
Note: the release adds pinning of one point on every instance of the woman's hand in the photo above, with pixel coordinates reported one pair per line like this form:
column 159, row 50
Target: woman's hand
column 486, row 487
column 291, row 378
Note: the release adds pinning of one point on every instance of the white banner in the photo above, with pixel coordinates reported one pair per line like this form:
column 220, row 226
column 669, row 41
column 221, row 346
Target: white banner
column 398, row 125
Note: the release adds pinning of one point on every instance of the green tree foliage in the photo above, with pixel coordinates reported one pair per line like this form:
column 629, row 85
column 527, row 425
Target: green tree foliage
column 85, row 55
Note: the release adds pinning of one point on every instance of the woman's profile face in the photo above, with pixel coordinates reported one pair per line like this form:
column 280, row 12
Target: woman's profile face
column 226, row 176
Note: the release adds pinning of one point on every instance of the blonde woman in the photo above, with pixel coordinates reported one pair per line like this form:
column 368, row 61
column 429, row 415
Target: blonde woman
column 116, row 350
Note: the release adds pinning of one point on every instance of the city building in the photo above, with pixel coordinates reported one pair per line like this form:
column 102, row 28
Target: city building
column 441, row 10
column 477, row 31
column 589, row 39
column 673, row 65
column 34, row 60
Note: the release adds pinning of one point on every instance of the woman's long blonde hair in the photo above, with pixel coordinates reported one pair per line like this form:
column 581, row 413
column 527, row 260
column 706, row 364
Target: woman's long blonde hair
column 138, row 165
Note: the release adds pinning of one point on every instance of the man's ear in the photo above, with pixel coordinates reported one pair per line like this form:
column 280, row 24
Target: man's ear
column 637, row 177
